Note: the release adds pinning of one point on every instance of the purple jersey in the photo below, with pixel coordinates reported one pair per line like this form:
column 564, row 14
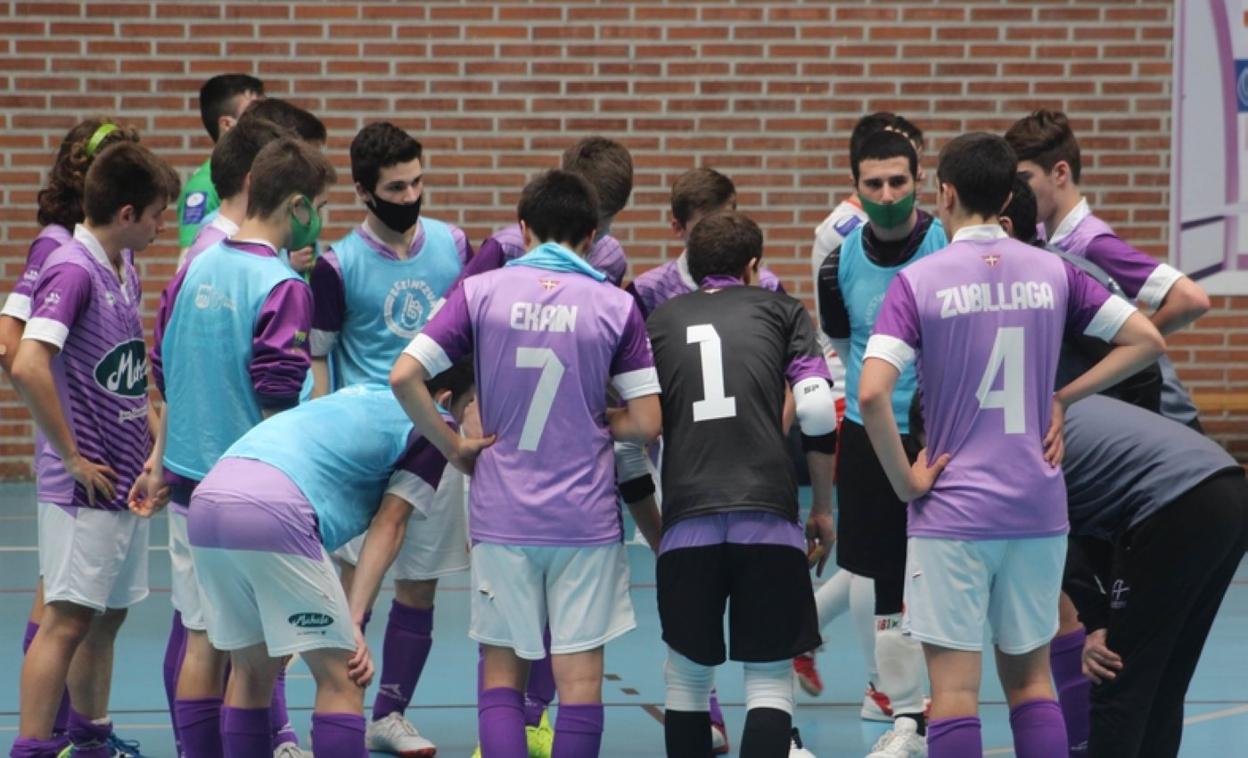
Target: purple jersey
column 547, row 344
column 92, row 317
column 49, row 238
column 662, row 283
column 1140, row 275
column 218, row 229
column 507, row 244
column 985, row 318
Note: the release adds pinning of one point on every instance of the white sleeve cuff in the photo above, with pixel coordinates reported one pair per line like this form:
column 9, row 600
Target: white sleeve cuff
column 17, row 306
column 1158, row 285
column 1109, row 319
column 429, row 353
column 890, row 349
column 816, row 408
column 415, row 491
column 634, row 384
column 46, row 330
column 322, row 343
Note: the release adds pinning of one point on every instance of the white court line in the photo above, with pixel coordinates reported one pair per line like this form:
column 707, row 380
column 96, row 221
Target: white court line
column 1211, row 716
column 35, row 549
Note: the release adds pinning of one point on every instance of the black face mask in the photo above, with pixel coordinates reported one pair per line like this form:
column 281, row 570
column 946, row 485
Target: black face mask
column 399, row 217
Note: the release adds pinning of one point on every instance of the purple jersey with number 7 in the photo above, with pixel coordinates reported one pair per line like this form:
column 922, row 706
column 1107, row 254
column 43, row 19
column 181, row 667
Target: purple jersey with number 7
column 985, row 319
column 547, row 344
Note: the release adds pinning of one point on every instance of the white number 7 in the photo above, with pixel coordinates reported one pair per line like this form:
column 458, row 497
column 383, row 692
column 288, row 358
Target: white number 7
column 544, row 396
column 1008, row 350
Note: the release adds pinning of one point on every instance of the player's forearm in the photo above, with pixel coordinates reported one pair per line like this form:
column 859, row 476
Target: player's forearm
column 1139, row 344
column 822, row 468
column 1185, row 302
column 10, row 336
column 32, row 376
column 381, row 547
column 640, row 422
column 320, row 377
column 645, row 513
column 160, row 432
column 877, row 417
column 407, row 380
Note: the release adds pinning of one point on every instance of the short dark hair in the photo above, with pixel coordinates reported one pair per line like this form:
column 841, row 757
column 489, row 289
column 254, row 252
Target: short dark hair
column 377, row 146
column 60, row 200
column 1045, row 138
column 702, row 190
column 722, row 244
column 459, row 379
column 287, row 114
column 883, row 145
column 283, row 167
column 607, row 166
column 559, row 206
column 1021, row 211
column 217, row 95
column 122, row 174
column 233, row 155
column 878, row 122
column 982, row 168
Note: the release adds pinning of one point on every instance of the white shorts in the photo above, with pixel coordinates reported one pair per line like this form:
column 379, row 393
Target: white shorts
column 184, row 591
column 581, row 591
column 436, row 541
column 954, row 586
column 291, row 603
column 92, row 557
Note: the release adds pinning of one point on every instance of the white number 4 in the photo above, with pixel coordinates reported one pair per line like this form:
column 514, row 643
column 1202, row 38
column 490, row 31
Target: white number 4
column 544, row 396
column 1008, row 351
column 715, row 404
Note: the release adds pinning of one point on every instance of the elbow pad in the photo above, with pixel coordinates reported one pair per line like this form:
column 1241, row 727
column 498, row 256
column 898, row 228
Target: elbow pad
column 816, row 408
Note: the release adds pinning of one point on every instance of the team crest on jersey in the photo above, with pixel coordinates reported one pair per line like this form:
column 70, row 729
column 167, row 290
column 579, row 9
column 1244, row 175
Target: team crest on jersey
column 991, row 260
column 408, row 306
column 52, row 298
column 193, row 210
column 548, row 284
column 208, row 297
column 123, row 370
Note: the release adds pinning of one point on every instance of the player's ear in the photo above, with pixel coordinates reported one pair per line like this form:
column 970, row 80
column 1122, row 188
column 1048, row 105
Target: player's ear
column 587, row 244
column 527, row 234
column 678, row 228
column 361, row 193
column 1007, row 224
column 1061, row 173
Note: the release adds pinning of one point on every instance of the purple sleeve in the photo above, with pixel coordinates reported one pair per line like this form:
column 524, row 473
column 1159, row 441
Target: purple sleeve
column 424, row 460
column 1084, row 299
column 608, row 257
column 328, row 293
column 39, row 251
column 899, row 314
column 805, row 358
column 633, row 352
column 489, row 257
column 1129, row 267
column 451, row 326
column 769, row 281
column 164, row 312
column 462, row 245
column 60, row 295
column 279, row 347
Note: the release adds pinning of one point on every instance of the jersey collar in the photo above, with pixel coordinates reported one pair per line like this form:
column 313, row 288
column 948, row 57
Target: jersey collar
column 1068, row 224
column 682, row 268
column 980, row 233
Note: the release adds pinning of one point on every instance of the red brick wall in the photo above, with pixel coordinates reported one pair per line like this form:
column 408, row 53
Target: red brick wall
column 765, row 91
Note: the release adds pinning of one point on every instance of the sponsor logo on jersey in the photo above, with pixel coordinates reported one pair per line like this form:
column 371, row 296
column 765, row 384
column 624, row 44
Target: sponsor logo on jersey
column 1118, row 593
column 31, row 274
column 52, row 298
column 310, row 620
column 208, row 298
column 1241, row 85
column 193, row 209
column 123, row 370
column 408, row 306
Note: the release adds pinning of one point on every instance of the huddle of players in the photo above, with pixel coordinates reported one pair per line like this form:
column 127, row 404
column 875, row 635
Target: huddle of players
column 252, row 572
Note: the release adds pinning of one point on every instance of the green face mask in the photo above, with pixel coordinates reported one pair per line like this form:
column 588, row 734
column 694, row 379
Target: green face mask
column 304, row 233
column 890, row 215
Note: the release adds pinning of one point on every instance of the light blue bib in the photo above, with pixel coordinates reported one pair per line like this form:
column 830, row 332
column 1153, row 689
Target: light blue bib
column 863, row 284
column 207, row 351
column 388, row 301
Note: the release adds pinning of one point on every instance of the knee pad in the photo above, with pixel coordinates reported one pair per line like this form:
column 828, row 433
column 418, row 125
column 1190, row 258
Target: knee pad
column 769, row 685
column 688, row 684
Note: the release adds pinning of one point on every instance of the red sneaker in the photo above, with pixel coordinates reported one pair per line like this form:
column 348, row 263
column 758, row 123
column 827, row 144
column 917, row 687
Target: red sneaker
column 807, row 674
column 876, row 705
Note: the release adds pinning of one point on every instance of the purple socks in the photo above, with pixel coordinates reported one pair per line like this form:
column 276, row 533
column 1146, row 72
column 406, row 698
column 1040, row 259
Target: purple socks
column 29, row 747
column 541, row 686
column 954, row 738
column 1039, row 731
column 717, row 716
column 409, row 637
column 578, row 731
column 90, row 739
column 244, row 732
column 62, row 714
column 199, row 727
column 338, row 734
column 500, row 723
column 175, row 651
column 1074, row 690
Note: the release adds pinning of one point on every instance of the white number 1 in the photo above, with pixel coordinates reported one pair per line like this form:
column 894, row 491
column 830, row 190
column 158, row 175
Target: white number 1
column 715, row 405
column 544, row 396
column 1008, row 351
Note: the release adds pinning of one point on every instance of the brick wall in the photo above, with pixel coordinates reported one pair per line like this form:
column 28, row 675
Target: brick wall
column 765, row 91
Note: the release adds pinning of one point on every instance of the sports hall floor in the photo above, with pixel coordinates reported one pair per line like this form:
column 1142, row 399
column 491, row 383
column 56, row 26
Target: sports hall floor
column 444, row 706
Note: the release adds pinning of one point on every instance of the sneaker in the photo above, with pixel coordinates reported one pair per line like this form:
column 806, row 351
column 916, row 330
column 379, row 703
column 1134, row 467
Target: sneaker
column 807, row 675
column 796, row 749
column 118, row 748
column 876, row 706
column 719, row 739
column 541, row 737
column 902, row 741
column 395, row 735
column 287, row 750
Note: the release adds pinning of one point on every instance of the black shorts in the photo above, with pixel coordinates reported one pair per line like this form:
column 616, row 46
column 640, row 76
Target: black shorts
column 772, row 616
column 871, row 521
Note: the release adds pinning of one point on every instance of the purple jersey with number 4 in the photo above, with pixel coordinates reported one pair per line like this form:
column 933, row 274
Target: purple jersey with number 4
column 547, row 344
column 985, row 318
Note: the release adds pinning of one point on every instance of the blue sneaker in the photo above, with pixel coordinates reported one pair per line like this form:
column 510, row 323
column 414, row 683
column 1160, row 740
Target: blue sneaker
column 123, row 748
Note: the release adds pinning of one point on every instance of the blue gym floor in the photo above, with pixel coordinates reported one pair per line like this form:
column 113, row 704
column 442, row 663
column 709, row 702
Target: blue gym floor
column 444, row 707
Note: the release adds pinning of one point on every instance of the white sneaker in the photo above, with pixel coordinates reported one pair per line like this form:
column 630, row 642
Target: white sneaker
column 719, row 739
column 287, row 750
column 796, row 750
column 396, row 735
column 902, row 741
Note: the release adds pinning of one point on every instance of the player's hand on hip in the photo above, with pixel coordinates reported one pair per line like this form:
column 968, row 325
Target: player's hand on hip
column 95, row 478
column 820, row 536
column 1100, row 664
column 464, row 456
column 360, row 664
column 923, row 475
column 1054, row 443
